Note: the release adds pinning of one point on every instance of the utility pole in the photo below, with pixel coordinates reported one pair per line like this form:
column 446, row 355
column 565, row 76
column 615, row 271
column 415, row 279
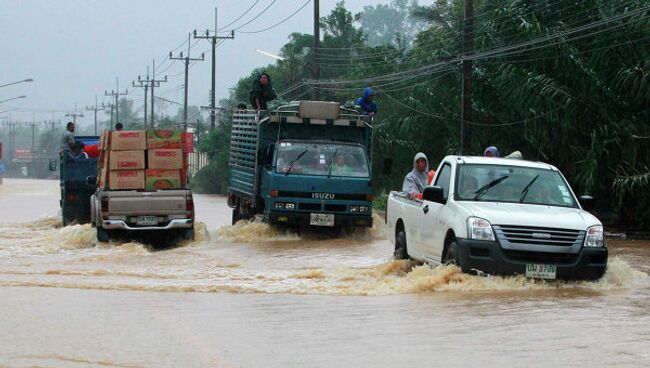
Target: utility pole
column 144, row 84
column 111, row 106
column 466, row 116
column 116, row 94
column 315, row 62
column 154, row 83
column 187, row 60
column 74, row 115
column 213, row 38
column 95, row 109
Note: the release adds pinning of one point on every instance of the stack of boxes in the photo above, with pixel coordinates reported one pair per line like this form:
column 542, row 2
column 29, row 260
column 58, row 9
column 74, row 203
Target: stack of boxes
column 145, row 160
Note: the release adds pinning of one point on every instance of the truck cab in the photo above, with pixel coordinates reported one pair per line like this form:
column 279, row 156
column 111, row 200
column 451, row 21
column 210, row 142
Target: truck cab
column 305, row 164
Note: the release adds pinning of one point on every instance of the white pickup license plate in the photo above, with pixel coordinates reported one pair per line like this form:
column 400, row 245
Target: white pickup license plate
column 147, row 220
column 541, row 271
column 321, row 219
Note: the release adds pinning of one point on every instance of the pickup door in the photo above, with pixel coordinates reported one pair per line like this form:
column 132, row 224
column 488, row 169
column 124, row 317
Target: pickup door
column 435, row 221
column 134, row 203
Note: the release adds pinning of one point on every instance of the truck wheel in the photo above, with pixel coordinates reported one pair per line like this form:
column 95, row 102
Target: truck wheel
column 102, row 235
column 451, row 254
column 401, row 251
column 235, row 215
column 188, row 234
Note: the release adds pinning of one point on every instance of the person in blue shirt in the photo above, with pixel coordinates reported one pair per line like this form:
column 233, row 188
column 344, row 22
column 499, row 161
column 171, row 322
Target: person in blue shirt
column 366, row 102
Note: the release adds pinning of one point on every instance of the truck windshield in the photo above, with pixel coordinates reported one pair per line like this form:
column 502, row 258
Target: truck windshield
column 515, row 184
column 321, row 159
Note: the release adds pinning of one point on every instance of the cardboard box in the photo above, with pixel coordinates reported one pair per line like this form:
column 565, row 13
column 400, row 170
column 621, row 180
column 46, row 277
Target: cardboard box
column 103, row 160
column 127, row 140
column 102, row 180
column 127, row 160
column 188, row 142
column 163, row 179
column 126, row 179
column 164, row 139
column 170, row 159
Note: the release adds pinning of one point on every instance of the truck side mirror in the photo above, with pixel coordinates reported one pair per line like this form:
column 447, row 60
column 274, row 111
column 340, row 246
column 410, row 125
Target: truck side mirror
column 387, row 167
column 91, row 180
column 434, row 194
column 52, row 164
column 587, row 202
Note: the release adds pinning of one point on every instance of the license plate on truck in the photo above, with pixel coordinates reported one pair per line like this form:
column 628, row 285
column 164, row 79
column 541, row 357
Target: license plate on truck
column 146, row 220
column 541, row 271
column 321, row 219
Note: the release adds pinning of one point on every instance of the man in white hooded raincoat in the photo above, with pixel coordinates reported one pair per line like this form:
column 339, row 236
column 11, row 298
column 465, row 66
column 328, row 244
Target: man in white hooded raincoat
column 416, row 180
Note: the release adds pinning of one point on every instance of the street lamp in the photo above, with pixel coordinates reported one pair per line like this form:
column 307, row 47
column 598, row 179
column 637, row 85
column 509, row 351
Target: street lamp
column 15, row 98
column 269, row 54
column 22, row 81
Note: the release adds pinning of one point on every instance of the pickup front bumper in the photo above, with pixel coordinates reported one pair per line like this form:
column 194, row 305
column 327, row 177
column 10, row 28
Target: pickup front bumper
column 489, row 257
column 172, row 224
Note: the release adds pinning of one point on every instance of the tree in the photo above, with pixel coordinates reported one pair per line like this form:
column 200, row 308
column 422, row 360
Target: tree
column 390, row 24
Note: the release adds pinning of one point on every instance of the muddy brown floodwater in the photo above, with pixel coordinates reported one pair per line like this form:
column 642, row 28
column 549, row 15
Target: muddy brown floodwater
column 252, row 296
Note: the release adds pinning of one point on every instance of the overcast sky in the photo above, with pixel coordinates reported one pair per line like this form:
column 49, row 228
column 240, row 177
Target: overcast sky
column 74, row 49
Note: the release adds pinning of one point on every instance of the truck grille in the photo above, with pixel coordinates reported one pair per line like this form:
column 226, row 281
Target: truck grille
column 539, row 257
column 309, row 206
column 539, row 235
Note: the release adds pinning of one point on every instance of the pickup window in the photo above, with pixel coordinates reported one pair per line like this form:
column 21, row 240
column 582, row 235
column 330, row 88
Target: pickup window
column 443, row 179
column 321, row 159
column 514, row 184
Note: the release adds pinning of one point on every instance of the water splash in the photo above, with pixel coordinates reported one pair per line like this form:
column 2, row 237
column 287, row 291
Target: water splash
column 253, row 232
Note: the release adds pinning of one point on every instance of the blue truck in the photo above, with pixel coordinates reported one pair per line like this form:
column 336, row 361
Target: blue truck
column 307, row 163
column 75, row 191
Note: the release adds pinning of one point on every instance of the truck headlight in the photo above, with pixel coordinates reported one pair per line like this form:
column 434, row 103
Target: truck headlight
column 354, row 208
column 290, row 206
column 279, row 205
column 594, row 236
column 479, row 229
column 363, row 208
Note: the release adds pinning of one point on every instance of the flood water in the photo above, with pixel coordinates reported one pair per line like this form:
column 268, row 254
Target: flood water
column 252, row 296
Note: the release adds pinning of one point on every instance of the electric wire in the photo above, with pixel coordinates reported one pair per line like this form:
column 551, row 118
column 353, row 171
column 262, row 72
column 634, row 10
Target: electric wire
column 280, row 22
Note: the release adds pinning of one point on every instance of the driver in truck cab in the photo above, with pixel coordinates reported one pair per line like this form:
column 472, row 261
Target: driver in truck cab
column 416, row 180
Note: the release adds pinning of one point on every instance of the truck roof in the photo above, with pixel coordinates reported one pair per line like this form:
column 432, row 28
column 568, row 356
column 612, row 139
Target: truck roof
column 482, row 160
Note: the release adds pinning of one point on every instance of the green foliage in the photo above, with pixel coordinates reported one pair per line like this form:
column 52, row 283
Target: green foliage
column 579, row 102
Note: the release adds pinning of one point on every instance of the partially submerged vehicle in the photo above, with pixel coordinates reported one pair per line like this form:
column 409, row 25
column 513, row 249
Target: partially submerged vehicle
column 303, row 164
column 500, row 216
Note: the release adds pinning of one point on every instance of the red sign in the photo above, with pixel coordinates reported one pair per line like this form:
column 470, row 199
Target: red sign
column 23, row 155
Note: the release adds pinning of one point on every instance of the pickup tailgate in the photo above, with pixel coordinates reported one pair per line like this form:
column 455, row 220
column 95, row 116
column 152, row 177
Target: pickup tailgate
column 134, row 203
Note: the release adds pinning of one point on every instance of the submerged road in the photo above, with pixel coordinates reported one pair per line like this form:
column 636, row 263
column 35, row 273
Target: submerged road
column 252, row 296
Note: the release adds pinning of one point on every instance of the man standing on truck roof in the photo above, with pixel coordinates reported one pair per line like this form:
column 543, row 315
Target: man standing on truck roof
column 67, row 138
column 367, row 103
column 262, row 92
column 416, row 180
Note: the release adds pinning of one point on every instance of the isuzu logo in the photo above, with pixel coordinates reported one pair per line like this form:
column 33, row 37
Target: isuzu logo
column 541, row 236
column 322, row 195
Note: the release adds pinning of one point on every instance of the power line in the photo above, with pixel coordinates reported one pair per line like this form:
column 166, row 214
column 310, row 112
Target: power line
column 280, row 22
column 240, row 17
column 500, row 51
column 257, row 16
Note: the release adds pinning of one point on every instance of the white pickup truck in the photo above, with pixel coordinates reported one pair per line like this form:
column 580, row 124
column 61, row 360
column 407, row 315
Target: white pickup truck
column 499, row 216
column 136, row 210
